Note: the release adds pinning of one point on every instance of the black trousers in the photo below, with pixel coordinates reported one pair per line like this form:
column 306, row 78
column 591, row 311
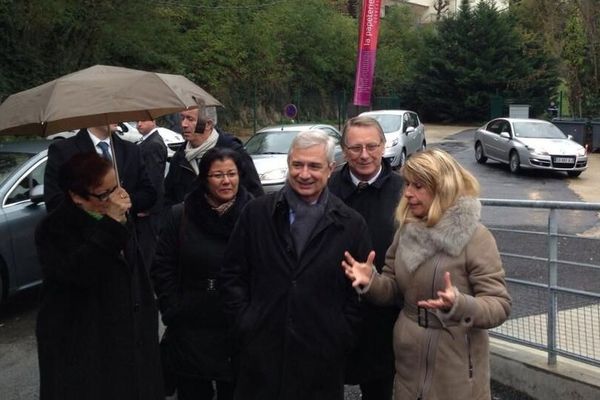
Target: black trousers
column 197, row 389
column 378, row 389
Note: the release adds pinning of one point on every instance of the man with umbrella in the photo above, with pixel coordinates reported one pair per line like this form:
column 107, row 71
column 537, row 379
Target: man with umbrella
column 127, row 158
column 198, row 129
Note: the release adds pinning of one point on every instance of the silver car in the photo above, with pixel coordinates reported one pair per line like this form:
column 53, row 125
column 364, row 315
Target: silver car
column 269, row 147
column 404, row 134
column 529, row 143
column 22, row 168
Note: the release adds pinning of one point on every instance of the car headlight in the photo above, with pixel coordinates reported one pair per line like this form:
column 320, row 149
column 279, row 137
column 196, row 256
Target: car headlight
column 581, row 152
column 392, row 143
column 278, row 174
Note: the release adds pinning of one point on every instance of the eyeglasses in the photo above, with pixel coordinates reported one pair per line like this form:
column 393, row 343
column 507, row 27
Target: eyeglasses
column 104, row 195
column 221, row 175
column 358, row 149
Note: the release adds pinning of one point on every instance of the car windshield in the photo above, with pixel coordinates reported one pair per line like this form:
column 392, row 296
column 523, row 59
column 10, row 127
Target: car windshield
column 537, row 130
column 389, row 123
column 271, row 142
column 10, row 162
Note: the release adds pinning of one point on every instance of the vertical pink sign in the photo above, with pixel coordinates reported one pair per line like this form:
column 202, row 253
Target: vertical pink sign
column 367, row 51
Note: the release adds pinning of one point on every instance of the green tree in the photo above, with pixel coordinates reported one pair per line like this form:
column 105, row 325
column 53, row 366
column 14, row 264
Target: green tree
column 473, row 55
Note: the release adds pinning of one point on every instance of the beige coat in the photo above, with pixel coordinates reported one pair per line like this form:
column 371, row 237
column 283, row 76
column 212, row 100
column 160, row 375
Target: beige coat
column 458, row 367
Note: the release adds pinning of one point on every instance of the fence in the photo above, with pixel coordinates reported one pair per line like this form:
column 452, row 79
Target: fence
column 559, row 320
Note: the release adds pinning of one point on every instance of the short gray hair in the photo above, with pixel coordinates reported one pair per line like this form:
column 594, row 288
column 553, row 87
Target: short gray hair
column 364, row 122
column 314, row 137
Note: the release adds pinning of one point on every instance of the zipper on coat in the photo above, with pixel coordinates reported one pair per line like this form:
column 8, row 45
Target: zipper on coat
column 468, row 342
column 422, row 384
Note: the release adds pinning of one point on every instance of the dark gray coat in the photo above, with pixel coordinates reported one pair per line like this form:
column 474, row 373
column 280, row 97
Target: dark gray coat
column 97, row 328
column 295, row 316
column 374, row 358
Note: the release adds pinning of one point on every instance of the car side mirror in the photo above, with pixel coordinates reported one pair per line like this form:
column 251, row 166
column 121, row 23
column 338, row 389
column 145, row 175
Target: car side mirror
column 505, row 135
column 409, row 129
column 570, row 137
column 36, row 195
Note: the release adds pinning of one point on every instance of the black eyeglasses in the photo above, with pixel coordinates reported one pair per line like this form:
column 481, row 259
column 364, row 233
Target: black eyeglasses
column 104, row 195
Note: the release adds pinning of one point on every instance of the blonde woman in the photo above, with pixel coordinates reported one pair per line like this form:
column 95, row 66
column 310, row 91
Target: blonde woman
column 446, row 266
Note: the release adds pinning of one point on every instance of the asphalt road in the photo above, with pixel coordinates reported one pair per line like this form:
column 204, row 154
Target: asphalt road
column 18, row 359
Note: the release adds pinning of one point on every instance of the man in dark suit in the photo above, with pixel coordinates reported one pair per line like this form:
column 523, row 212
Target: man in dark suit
column 368, row 185
column 132, row 174
column 154, row 153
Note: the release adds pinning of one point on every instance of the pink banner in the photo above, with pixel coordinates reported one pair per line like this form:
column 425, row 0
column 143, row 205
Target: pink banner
column 367, row 51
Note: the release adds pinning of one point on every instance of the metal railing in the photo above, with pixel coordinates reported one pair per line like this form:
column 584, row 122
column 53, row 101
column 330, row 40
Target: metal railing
column 559, row 320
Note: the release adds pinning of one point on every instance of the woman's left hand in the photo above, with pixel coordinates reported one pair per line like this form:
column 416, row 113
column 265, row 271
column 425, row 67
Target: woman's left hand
column 446, row 297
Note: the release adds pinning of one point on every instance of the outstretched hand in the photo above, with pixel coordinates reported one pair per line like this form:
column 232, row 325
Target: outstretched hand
column 359, row 273
column 446, row 297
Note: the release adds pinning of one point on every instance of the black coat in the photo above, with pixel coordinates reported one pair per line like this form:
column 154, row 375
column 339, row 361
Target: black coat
column 190, row 252
column 181, row 176
column 295, row 317
column 377, row 203
column 97, row 327
column 132, row 174
column 154, row 153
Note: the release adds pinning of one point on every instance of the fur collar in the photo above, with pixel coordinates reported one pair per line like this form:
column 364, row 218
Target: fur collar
column 450, row 235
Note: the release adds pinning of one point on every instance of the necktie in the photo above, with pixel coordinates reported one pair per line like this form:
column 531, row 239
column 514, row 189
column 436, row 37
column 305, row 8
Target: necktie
column 362, row 186
column 105, row 153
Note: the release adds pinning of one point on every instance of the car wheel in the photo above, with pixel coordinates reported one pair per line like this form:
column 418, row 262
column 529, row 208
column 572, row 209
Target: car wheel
column 402, row 160
column 1, row 281
column 514, row 162
column 574, row 174
column 479, row 156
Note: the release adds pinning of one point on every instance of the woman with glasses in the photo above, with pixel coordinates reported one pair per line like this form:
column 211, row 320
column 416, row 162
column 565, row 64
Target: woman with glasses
column 97, row 324
column 196, row 347
column 446, row 266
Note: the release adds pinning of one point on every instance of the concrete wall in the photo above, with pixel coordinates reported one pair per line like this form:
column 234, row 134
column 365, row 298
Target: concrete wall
column 526, row 370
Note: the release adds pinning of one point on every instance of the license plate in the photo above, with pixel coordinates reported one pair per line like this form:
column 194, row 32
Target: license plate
column 564, row 160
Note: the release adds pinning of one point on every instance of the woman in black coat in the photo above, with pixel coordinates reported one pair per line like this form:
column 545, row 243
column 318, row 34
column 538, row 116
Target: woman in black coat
column 196, row 347
column 97, row 328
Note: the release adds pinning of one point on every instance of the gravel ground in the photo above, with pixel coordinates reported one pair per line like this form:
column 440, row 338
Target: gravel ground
column 499, row 392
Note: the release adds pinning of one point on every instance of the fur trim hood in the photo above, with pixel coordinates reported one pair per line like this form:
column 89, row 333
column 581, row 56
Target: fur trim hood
column 417, row 242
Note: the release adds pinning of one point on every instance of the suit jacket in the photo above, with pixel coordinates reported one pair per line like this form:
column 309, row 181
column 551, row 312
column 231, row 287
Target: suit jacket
column 130, row 164
column 154, row 153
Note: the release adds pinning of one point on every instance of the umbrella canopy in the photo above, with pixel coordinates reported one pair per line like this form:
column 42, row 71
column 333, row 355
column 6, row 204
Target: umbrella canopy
column 97, row 96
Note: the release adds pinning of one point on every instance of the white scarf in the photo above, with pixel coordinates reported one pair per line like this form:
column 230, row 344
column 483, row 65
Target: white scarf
column 194, row 154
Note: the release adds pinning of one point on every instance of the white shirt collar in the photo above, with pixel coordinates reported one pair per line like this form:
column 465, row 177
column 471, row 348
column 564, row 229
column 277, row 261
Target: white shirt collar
column 95, row 141
column 356, row 181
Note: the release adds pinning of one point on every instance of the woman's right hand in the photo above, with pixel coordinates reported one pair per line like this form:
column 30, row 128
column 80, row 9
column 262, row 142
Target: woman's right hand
column 118, row 204
column 359, row 273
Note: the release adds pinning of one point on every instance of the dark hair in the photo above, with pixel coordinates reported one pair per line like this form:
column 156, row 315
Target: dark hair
column 212, row 155
column 82, row 172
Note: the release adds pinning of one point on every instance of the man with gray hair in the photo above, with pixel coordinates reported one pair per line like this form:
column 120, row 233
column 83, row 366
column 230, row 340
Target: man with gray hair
column 198, row 127
column 294, row 316
column 368, row 185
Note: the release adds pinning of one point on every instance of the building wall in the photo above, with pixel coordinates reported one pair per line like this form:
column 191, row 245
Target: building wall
column 424, row 11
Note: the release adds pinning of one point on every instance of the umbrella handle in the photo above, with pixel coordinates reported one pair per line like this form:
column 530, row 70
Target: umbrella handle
column 114, row 155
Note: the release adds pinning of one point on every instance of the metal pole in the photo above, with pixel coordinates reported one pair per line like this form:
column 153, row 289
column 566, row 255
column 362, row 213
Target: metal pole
column 254, row 109
column 560, row 100
column 552, row 284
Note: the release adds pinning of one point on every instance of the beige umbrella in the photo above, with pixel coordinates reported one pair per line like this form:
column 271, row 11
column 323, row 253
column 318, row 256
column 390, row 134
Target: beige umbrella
column 98, row 96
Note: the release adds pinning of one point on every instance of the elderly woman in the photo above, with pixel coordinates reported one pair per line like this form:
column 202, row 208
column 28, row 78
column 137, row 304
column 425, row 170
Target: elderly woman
column 446, row 265
column 97, row 328
column 190, row 253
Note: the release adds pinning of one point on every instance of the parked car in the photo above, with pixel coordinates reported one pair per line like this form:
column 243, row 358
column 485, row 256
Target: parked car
column 529, row 143
column 22, row 166
column 404, row 134
column 269, row 147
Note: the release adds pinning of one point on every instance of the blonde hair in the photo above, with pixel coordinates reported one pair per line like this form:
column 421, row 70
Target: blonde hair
column 443, row 176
